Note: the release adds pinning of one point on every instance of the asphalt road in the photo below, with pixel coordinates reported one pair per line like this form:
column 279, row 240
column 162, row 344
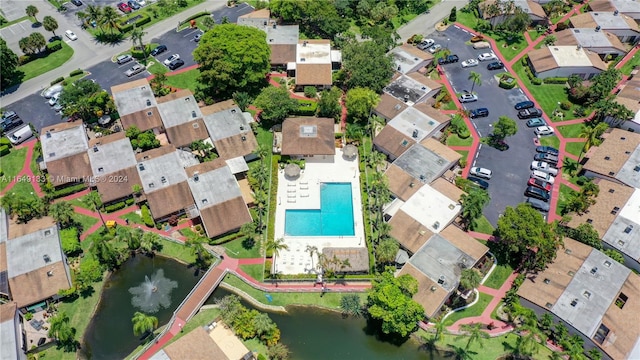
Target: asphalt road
column 510, row 167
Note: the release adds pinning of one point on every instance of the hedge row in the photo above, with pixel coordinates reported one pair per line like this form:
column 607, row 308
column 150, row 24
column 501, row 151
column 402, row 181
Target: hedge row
column 125, row 28
column 146, row 216
column 503, row 83
column 50, row 48
column 5, row 141
column 4, row 150
column 306, row 108
column 57, row 80
column 69, row 190
column 195, row 16
column 54, row 46
column 556, row 80
column 76, row 72
column 119, row 205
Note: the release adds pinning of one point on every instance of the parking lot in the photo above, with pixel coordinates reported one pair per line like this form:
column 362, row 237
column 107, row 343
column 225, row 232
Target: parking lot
column 510, row 167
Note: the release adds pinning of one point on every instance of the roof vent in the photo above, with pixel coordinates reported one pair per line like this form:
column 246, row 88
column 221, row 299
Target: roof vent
column 586, row 294
column 193, row 114
column 48, row 135
column 195, row 125
column 196, row 176
column 616, row 12
column 628, row 229
column 141, row 167
column 244, row 138
column 95, row 148
column 436, row 224
column 187, row 99
column 148, row 102
column 47, row 232
column 415, row 133
column 163, row 179
column 433, row 288
column 100, row 169
column 50, row 273
column 598, row 28
column 607, row 263
column 205, row 201
column 574, row 302
column 594, row 270
column 607, row 158
column 149, row 113
column 233, row 111
column 304, row 43
column 52, row 154
column 547, row 281
column 302, row 59
column 152, row 185
column 241, row 128
column 411, row 184
column 441, row 280
column 568, row 251
column 46, row 258
column 276, row 25
column 397, row 107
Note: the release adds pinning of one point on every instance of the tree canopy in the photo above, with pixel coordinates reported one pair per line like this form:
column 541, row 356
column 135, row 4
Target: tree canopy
column 360, row 102
column 276, row 104
column 232, row 58
column 389, row 301
column 366, row 64
column 504, row 127
column 319, row 18
column 329, row 103
column 8, row 64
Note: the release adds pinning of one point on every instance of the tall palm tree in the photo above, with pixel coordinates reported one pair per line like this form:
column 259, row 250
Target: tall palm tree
column 61, row 212
column 375, row 122
column 311, row 250
column 136, row 39
column 150, row 242
column 125, row 235
column 476, row 79
column 94, row 202
column 61, row 330
column 275, row 245
column 50, row 24
column 94, row 15
column 82, row 16
column 262, row 323
column 143, row 323
column 475, row 333
column 32, row 11
column 440, row 329
column 473, row 203
column 109, row 18
column 470, row 279
column 592, row 136
column 196, row 243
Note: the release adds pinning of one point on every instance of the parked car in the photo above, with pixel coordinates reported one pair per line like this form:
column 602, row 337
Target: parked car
column 487, row 56
column 480, row 112
column 551, row 159
column 477, row 38
column 21, row 135
column 543, row 130
column 537, row 193
column 544, row 166
column 535, row 122
column 478, row 182
column 133, row 4
column 197, row 37
column 124, row 7
column 123, row 59
column 9, row 115
column 540, row 184
column 465, row 98
column 176, row 64
column 135, row 69
column 496, row 65
column 481, row 172
column 538, row 204
column 171, row 58
column 9, row 124
column 434, row 48
column 158, row 50
column 470, row 63
column 58, row 107
column 529, row 113
column 537, row 174
column 76, row 2
column 52, row 91
column 71, row 35
column 524, row 105
column 54, row 99
column 547, row 150
column 448, row 60
column 425, row 44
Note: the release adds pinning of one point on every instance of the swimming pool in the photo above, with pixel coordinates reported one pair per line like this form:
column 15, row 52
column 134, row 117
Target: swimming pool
column 334, row 218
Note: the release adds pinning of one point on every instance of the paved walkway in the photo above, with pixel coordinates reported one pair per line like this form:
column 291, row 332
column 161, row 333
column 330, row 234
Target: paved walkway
column 26, row 174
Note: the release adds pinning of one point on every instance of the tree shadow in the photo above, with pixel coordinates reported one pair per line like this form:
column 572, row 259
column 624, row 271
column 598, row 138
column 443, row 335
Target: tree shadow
column 372, row 328
column 87, row 292
column 109, row 38
column 248, row 243
column 36, row 25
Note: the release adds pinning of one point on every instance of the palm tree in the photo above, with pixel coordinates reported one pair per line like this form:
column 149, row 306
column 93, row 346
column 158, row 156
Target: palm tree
column 109, row 18
column 50, row 24
column 61, row 330
column 376, row 159
column 125, row 235
column 32, row 11
column 263, row 324
column 374, row 123
column 275, row 245
column 311, row 250
column 143, row 323
column 209, row 22
column 242, row 99
column 475, row 333
column 355, row 132
column 94, row 15
column 473, row 203
column 94, row 202
column 204, row 257
column 62, row 212
column 441, row 330
column 476, row 79
column 350, row 305
column 592, row 136
column 470, row 279
column 82, row 16
column 150, row 242
column 136, row 38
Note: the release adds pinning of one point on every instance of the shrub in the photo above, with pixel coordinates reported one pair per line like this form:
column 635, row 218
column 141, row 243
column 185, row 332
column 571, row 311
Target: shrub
column 5, row 141
column 556, row 80
column 129, row 201
column 306, row 108
column 76, row 72
column 536, row 81
column 195, row 16
column 507, row 81
column 124, row 27
column 70, row 241
column 28, row 316
column 565, row 105
column 115, row 206
column 562, row 26
column 415, row 39
column 4, row 150
column 198, row 228
column 54, row 46
column 58, row 80
column 310, row 91
column 146, row 216
column 453, row 15
column 68, row 190
column 525, row 60
column 23, row 59
column 579, row 111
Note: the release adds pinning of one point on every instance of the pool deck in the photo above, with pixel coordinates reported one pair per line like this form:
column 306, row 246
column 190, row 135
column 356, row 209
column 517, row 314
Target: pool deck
column 304, row 193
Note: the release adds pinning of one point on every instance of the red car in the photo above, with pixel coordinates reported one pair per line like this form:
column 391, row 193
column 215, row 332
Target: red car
column 124, row 8
column 540, row 184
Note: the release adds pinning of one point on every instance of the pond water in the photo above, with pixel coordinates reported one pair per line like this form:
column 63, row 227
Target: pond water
column 313, row 334
column 110, row 332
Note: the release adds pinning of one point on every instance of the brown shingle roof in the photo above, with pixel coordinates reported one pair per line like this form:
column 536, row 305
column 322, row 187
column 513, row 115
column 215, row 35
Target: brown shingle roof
column 542, row 60
column 107, row 139
column 74, row 168
column 408, row 231
column 464, row 242
column 392, row 141
column 182, row 93
column 154, row 153
column 3, row 257
column 425, row 80
column 59, row 127
column 283, row 53
column 129, row 85
column 117, row 185
column 441, row 150
column 630, row 95
column 205, row 167
column 186, row 133
column 416, row 52
column 8, row 312
column 586, row 20
column 447, row 189
column 237, row 145
column 20, row 229
column 258, row 14
column 623, row 323
column 430, row 295
column 358, row 258
column 400, row 182
column 599, row 213
column 37, row 285
column 601, row 5
column 170, row 199
column 224, row 217
column 568, row 261
column 388, row 106
column 609, row 157
column 313, row 74
column 567, row 38
column 196, row 345
column 293, row 143
column 536, row 9
column 217, row 107
column 144, row 119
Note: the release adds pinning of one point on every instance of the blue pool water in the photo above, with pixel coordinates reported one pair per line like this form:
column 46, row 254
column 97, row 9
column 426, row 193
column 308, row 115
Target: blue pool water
column 335, row 217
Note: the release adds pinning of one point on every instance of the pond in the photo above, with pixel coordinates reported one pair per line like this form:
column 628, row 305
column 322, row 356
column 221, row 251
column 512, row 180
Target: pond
column 312, row 333
column 157, row 283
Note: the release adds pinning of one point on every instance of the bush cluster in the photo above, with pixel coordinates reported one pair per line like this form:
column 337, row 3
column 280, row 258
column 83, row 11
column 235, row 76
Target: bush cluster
column 310, row 91
column 76, row 72
column 507, row 81
column 4, row 150
column 565, row 105
column 124, row 27
column 119, row 205
column 556, row 80
column 54, row 46
column 306, row 108
column 146, row 216
column 68, row 190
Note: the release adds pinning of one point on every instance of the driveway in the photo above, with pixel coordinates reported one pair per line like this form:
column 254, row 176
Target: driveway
column 232, row 14
column 511, row 167
column 181, row 43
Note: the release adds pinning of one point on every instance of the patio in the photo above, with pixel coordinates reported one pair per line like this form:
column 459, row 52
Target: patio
column 37, row 329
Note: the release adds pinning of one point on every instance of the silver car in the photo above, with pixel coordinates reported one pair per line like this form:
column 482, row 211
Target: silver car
column 52, row 91
column 135, row 69
column 465, row 98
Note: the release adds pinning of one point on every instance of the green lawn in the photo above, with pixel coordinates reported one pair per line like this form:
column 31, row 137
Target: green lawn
column 255, row 271
column 45, row 64
column 177, row 251
column 450, row 105
column 7, row 24
column 552, row 141
column 330, row 299
column 629, row 65
column 23, row 188
column 574, row 148
column 565, row 194
column 235, row 249
column 484, row 226
column 400, row 20
column 185, row 80
column 499, row 276
column 475, row 310
column 86, row 222
column 508, row 46
column 78, row 202
column 133, row 217
column 157, row 67
column 571, row 131
column 533, row 34
column 11, row 165
column 455, row 140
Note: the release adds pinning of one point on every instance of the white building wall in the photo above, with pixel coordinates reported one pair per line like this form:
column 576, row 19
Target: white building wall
column 586, row 72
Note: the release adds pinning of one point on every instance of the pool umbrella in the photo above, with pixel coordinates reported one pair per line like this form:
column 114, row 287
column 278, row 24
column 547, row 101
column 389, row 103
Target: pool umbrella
column 292, row 170
column 350, row 151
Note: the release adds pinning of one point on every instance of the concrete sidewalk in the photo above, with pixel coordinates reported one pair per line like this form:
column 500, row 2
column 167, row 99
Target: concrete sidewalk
column 425, row 23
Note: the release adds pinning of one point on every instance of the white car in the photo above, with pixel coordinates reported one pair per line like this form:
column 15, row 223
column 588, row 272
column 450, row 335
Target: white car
column 465, row 98
column 545, row 167
column 469, row 63
column 71, row 35
column 434, row 49
column 537, row 174
column 481, row 172
column 425, row 44
column 487, row 56
column 171, row 58
column 543, row 130
column 54, row 99
column 141, row 2
column 52, row 91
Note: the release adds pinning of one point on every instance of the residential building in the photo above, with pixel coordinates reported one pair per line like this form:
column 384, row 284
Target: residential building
column 11, row 340
column 425, row 164
column 113, row 165
column 64, row 152
column 282, row 39
column 594, row 296
column 218, row 197
column 182, row 118
column 630, row 8
column 533, row 9
column 137, row 106
column 598, row 41
column 164, row 181
column 616, row 159
column 620, row 25
column 628, row 96
column 564, row 61
column 408, row 58
column 389, row 107
column 624, row 233
column 412, row 88
column 308, row 136
column 230, row 131
column 315, row 62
